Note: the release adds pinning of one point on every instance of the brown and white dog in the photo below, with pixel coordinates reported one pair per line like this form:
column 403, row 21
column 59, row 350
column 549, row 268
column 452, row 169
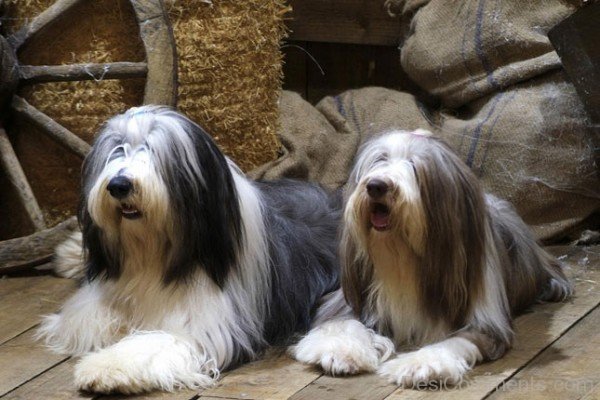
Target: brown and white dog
column 432, row 262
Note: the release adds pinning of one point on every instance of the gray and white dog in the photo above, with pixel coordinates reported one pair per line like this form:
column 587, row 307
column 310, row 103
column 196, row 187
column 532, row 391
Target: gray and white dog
column 431, row 262
column 191, row 267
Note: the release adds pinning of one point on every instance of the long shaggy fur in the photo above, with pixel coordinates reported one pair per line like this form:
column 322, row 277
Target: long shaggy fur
column 432, row 262
column 196, row 268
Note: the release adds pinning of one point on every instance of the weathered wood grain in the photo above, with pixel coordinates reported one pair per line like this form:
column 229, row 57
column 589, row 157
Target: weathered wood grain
column 50, row 127
column 184, row 394
column 24, row 300
column 568, row 369
column 276, row 377
column 161, row 55
column 14, row 171
column 368, row 386
column 343, row 21
column 216, row 398
column 54, row 384
column 26, row 358
column 38, row 248
column 82, row 72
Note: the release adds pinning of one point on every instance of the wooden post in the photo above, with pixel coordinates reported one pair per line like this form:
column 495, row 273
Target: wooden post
column 17, row 177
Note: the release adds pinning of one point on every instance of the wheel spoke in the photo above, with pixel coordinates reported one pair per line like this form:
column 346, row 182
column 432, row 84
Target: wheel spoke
column 51, row 127
column 19, row 180
column 40, row 22
column 82, row 72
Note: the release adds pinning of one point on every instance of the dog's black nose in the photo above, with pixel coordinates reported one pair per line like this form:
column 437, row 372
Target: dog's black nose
column 377, row 188
column 119, row 187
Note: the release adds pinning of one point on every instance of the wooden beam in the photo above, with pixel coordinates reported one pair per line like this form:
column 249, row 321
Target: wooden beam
column 50, row 127
column 15, row 174
column 82, row 72
column 343, row 21
column 24, row 252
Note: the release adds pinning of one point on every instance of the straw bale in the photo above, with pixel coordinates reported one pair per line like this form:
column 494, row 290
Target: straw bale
column 230, row 72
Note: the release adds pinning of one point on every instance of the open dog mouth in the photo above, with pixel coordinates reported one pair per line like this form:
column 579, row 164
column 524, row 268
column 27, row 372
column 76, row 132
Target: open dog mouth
column 380, row 216
column 129, row 211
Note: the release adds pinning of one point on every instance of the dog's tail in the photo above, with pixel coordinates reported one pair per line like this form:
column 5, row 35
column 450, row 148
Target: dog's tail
column 69, row 260
column 531, row 273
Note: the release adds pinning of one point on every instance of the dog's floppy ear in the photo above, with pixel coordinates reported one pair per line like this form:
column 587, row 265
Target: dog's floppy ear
column 207, row 214
column 451, row 269
column 103, row 259
column 357, row 271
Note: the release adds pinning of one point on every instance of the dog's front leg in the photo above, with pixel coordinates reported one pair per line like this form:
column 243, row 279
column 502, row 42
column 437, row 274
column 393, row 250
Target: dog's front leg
column 343, row 347
column 146, row 361
column 85, row 323
column 441, row 365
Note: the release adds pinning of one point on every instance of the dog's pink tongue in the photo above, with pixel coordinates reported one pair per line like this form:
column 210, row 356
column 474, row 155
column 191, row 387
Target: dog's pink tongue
column 380, row 219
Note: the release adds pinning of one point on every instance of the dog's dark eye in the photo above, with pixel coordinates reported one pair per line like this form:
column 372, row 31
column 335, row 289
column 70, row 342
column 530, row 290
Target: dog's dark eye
column 383, row 157
column 117, row 153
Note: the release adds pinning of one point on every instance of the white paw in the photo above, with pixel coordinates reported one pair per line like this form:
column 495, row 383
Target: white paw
column 343, row 348
column 105, row 372
column 143, row 362
column 426, row 368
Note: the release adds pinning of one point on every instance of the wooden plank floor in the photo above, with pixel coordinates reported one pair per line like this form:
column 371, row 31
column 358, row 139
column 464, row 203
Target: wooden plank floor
column 556, row 354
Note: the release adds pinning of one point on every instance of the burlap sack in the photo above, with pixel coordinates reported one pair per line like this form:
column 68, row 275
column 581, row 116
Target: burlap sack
column 463, row 50
column 319, row 143
column 532, row 145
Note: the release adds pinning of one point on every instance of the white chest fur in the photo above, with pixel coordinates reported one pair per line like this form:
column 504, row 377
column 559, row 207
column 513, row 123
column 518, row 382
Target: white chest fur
column 395, row 295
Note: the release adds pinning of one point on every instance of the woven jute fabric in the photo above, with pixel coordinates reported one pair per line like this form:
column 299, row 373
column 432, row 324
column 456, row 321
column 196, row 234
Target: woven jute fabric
column 463, row 50
column 531, row 145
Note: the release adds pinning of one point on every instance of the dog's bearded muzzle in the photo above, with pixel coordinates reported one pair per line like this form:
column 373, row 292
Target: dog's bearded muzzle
column 378, row 197
column 121, row 189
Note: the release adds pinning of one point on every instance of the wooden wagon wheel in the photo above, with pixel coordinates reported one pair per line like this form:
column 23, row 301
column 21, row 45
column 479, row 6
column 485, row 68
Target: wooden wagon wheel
column 160, row 70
